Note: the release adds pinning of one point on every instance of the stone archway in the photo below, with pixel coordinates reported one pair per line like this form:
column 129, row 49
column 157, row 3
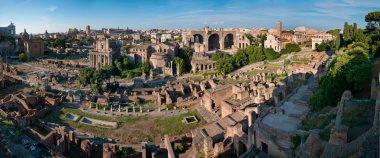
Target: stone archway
column 228, row 41
column 213, row 42
column 198, row 38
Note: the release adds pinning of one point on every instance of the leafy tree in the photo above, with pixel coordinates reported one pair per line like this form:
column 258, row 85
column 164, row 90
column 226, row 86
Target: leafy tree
column 350, row 69
column 221, row 55
column 262, row 38
column 186, row 54
column 373, row 19
column 145, row 67
column 324, row 46
column 86, row 76
column 270, row 54
column 59, row 43
column 119, row 65
column 255, row 53
column 180, row 64
column 334, row 32
column 240, row 58
column 290, row 47
column 224, row 65
column 338, row 42
column 250, row 37
column 359, row 36
column 347, row 32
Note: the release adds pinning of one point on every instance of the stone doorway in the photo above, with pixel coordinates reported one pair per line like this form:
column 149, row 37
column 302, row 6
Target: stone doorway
column 264, row 147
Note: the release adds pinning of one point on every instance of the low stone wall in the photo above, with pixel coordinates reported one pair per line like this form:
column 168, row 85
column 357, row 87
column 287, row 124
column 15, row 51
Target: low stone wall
column 168, row 146
column 349, row 149
column 98, row 123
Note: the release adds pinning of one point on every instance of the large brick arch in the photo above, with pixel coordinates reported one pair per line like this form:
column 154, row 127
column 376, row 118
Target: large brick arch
column 198, row 38
column 228, row 40
column 214, row 41
column 206, row 34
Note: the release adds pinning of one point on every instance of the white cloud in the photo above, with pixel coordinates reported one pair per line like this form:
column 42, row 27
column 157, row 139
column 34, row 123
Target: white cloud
column 52, row 8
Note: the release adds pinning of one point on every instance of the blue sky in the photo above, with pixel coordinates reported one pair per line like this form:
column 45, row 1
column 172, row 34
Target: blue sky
column 59, row 15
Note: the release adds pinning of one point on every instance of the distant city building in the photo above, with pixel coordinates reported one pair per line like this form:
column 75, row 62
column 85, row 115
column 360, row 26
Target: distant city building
column 272, row 42
column 166, row 37
column 140, row 53
column 318, row 38
column 46, row 35
column 88, row 30
column 9, row 30
column 279, row 28
column 136, row 36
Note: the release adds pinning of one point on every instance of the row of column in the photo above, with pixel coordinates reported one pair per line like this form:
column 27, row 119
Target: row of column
column 99, row 60
column 204, row 67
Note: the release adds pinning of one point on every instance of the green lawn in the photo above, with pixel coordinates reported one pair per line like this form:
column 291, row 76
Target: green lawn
column 131, row 129
column 60, row 119
column 173, row 125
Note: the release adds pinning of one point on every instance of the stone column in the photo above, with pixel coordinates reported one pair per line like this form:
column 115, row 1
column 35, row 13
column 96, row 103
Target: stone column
column 133, row 108
column 221, row 42
column 205, row 41
column 141, row 109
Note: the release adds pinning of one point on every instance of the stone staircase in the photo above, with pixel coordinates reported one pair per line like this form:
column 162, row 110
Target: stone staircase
column 207, row 115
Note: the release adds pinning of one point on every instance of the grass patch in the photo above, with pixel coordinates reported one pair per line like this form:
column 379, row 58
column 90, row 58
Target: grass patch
column 131, row 129
column 317, row 122
column 357, row 116
column 60, row 119
column 173, row 125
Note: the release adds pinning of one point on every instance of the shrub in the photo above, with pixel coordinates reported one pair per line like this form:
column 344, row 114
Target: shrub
column 296, row 141
column 179, row 147
column 22, row 57
column 325, row 134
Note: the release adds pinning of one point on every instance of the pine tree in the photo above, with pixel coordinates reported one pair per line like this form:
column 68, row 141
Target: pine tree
column 337, row 42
